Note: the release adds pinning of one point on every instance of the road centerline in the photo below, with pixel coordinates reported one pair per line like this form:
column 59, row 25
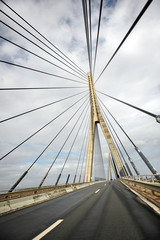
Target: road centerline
column 42, row 234
column 97, row 190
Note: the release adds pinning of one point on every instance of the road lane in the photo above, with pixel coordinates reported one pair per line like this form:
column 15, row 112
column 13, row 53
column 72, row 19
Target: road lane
column 54, row 225
column 101, row 211
column 114, row 213
column 72, row 221
column 97, row 191
column 28, row 223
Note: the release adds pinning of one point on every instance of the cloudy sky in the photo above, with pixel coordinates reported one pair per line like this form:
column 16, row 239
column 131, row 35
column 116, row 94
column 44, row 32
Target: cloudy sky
column 132, row 76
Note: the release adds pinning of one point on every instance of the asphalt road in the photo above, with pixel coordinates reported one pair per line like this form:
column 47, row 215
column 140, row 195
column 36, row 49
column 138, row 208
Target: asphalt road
column 102, row 211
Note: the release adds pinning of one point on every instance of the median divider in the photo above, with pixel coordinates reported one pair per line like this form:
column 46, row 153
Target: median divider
column 10, row 205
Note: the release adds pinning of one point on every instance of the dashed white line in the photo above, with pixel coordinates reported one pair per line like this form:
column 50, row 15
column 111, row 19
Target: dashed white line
column 48, row 229
column 97, row 191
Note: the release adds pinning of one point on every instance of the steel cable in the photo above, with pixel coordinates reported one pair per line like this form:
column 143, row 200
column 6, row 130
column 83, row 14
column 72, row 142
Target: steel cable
column 42, row 50
column 130, row 105
column 25, row 173
column 34, row 54
column 13, row 149
column 39, row 71
column 41, row 35
column 38, row 88
column 111, row 129
column 38, row 108
column 127, row 34
column 97, row 39
column 85, row 14
column 71, row 145
column 85, row 133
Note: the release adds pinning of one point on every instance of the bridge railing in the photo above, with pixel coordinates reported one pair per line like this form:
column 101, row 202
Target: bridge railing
column 146, row 185
column 59, row 189
column 32, row 191
column 145, row 178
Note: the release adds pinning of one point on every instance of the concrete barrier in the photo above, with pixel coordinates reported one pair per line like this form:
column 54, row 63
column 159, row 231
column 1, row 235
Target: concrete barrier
column 11, row 205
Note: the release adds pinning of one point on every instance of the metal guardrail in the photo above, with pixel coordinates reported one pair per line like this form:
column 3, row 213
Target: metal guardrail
column 32, row 191
column 146, row 178
column 145, row 187
column 28, row 197
column 153, row 187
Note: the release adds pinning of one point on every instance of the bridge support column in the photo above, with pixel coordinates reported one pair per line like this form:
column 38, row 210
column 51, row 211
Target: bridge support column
column 96, row 117
column 89, row 162
column 109, row 169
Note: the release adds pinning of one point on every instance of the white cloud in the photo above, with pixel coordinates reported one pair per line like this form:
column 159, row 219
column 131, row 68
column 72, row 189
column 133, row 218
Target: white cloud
column 133, row 76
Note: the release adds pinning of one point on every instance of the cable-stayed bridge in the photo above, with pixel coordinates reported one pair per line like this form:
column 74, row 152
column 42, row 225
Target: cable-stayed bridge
column 59, row 133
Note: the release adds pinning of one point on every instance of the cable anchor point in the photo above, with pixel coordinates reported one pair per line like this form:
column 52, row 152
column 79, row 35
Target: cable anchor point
column 158, row 118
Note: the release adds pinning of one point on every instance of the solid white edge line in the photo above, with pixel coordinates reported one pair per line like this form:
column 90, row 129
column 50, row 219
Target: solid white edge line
column 97, row 191
column 152, row 205
column 42, row 234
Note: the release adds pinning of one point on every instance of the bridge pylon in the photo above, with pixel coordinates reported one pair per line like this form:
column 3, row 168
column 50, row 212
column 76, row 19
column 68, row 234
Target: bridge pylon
column 96, row 118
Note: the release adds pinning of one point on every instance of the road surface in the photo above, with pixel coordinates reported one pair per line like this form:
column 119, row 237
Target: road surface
column 105, row 210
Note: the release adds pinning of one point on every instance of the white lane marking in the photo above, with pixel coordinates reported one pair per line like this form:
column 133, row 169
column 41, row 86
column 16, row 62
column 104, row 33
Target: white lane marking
column 48, row 229
column 97, row 191
column 154, row 207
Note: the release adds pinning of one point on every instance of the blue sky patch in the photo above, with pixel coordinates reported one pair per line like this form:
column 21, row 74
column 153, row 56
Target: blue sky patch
column 110, row 3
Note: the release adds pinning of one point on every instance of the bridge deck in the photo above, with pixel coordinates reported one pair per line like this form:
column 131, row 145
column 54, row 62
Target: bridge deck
column 101, row 211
